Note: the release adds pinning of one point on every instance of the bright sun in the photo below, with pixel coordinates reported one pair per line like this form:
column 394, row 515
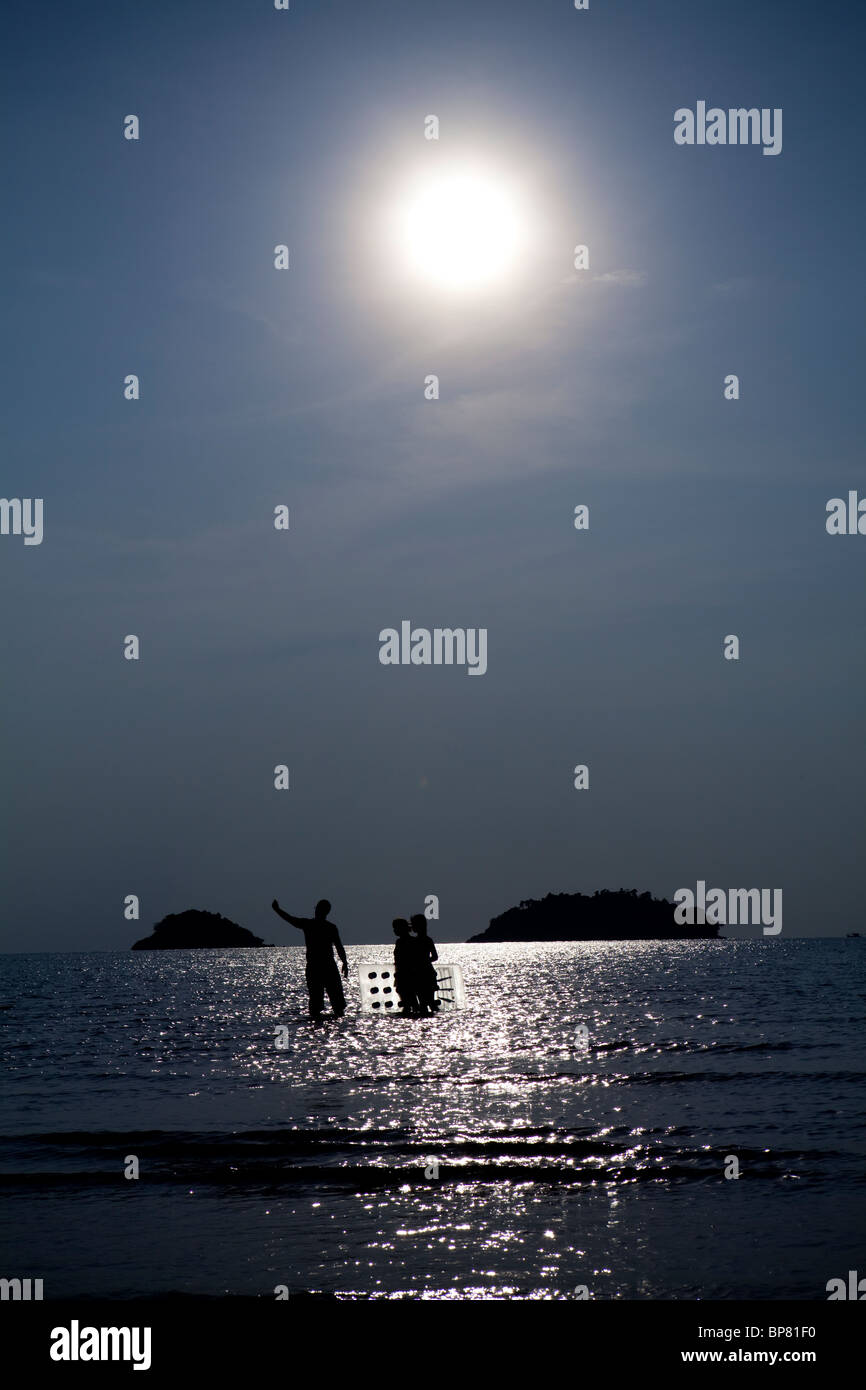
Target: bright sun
column 460, row 230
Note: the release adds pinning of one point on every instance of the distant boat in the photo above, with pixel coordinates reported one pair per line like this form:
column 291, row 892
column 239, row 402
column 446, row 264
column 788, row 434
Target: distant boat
column 849, row 936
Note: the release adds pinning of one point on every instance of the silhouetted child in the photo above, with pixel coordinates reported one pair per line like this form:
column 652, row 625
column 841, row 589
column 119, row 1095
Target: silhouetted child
column 427, row 953
column 406, row 968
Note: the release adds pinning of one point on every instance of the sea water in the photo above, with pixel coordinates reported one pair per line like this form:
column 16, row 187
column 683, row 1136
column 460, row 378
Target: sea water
column 572, row 1127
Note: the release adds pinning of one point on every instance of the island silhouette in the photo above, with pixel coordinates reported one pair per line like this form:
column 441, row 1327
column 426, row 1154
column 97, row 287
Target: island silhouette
column 194, row 929
column 608, row 915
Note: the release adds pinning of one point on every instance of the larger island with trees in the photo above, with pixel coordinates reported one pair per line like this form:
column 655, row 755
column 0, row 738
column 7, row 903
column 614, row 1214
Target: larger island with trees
column 620, row 915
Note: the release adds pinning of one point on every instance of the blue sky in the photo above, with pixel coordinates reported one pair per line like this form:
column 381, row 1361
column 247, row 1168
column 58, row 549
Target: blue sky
column 305, row 387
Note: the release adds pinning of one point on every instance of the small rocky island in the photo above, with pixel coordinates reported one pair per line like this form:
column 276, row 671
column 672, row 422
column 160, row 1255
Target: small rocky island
column 621, row 915
column 190, row 930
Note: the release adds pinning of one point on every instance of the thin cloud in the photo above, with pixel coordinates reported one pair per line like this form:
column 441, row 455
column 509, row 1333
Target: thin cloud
column 629, row 279
column 738, row 287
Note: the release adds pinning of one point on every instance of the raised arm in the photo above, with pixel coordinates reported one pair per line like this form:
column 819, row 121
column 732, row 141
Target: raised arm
column 287, row 917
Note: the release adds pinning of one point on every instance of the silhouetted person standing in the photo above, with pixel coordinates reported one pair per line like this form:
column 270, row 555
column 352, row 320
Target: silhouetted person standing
column 322, row 940
column 427, row 953
column 406, row 968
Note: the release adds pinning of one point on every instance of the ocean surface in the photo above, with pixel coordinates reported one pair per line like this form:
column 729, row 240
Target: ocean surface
column 481, row 1154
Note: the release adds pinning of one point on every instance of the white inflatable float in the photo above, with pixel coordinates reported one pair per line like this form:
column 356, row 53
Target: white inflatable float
column 379, row 995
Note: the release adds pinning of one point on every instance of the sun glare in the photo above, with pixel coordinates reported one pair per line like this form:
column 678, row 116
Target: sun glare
column 460, row 230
